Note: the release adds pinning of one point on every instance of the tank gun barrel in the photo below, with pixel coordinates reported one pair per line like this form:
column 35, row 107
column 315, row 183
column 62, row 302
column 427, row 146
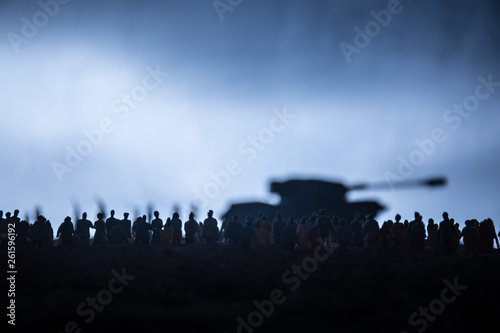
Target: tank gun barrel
column 431, row 182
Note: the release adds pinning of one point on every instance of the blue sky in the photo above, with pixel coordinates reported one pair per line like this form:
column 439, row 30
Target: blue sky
column 226, row 80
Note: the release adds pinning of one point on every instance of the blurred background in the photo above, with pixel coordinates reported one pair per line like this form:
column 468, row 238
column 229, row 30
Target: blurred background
column 356, row 103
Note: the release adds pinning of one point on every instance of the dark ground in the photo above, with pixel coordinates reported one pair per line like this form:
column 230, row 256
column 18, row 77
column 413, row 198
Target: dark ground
column 205, row 288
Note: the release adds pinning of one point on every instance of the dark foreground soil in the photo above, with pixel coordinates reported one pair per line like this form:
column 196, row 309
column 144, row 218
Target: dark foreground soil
column 207, row 288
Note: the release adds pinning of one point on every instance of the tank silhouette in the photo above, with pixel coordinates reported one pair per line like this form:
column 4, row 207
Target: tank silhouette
column 304, row 197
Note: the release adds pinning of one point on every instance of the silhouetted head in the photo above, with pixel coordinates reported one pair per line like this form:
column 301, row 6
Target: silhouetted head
column 210, row 213
column 191, row 215
column 156, row 213
column 7, row 215
column 48, row 224
column 112, row 213
column 291, row 221
column 322, row 211
column 417, row 214
column 84, row 215
column 431, row 221
column 369, row 217
column 445, row 215
column 144, row 218
column 397, row 218
column 125, row 215
column 175, row 216
column 40, row 218
column 100, row 216
column 16, row 212
column 67, row 219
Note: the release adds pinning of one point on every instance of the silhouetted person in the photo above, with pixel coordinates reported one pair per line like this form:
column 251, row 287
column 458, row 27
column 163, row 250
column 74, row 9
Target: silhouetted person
column 387, row 234
column 210, row 228
column 371, row 231
column 66, row 232
column 432, row 235
column 268, row 227
column 156, row 226
column 446, row 231
column 38, row 232
column 15, row 218
column 100, row 230
column 325, row 226
column 357, row 236
column 417, row 233
column 22, row 230
column 4, row 231
column 289, row 236
column 248, row 233
column 142, row 230
column 261, row 234
column 49, row 235
column 233, row 230
column 470, row 238
column 111, row 221
column 343, row 236
column 486, row 236
column 83, row 230
column 401, row 239
column 127, row 225
column 303, row 231
column 177, row 229
column 117, row 235
column 314, row 239
column 278, row 226
column 191, row 227
column 167, row 233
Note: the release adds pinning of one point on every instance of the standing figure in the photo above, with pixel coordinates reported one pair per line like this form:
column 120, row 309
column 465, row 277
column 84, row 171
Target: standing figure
column 432, row 235
column 190, row 229
column 66, row 232
column 100, row 230
column 168, row 230
column 49, row 235
column 210, row 229
column 38, row 231
column 177, row 229
column 83, row 230
column 278, row 226
column 157, row 226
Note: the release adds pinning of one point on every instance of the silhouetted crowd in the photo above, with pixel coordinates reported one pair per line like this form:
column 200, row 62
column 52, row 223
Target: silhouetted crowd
column 307, row 233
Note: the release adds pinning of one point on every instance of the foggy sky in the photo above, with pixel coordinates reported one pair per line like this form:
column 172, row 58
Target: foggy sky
column 226, row 80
